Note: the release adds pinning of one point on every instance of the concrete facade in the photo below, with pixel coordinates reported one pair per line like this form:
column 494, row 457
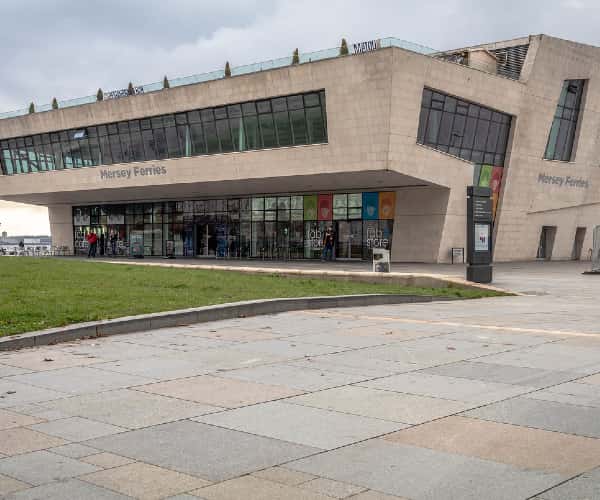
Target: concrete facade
column 373, row 105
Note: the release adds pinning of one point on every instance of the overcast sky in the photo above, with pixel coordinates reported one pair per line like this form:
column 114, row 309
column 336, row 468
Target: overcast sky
column 68, row 48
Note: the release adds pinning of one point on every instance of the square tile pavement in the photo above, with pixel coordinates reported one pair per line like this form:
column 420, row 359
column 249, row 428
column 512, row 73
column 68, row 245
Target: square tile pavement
column 42, row 467
column 69, row 489
column 145, row 481
column 209, row 452
column 456, row 389
column 583, row 487
column 9, row 419
column 422, row 474
column 218, row 391
column 14, row 393
column 379, row 404
column 76, row 429
column 546, row 415
column 78, row 380
column 21, row 440
column 130, row 409
column 10, row 485
column 522, row 447
column 301, row 424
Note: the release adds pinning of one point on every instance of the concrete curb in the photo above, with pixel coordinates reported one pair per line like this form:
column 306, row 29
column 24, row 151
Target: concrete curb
column 181, row 317
column 418, row 280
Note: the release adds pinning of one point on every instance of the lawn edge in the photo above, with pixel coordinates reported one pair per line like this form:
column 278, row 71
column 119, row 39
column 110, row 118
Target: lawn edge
column 182, row 317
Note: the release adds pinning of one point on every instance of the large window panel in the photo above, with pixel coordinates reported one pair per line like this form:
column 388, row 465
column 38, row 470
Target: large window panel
column 268, row 123
column 564, row 125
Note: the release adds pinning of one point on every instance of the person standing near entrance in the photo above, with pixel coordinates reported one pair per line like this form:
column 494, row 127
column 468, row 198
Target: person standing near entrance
column 113, row 243
column 92, row 240
column 328, row 242
column 102, row 242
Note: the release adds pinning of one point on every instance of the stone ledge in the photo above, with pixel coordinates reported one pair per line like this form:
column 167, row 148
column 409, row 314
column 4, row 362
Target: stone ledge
column 181, row 317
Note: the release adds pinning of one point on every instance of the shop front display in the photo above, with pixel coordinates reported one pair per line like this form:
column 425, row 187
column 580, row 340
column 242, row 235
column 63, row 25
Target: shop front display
column 263, row 227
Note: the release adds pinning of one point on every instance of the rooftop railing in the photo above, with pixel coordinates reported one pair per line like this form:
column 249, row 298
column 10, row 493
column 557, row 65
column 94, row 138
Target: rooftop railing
column 235, row 71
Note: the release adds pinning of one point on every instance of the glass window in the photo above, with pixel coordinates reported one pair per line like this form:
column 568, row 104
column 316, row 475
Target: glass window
column 283, row 128
column 197, row 139
column 463, row 129
column 298, row 126
column 269, row 123
column 564, row 124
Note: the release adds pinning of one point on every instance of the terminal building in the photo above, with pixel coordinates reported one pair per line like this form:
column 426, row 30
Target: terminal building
column 379, row 145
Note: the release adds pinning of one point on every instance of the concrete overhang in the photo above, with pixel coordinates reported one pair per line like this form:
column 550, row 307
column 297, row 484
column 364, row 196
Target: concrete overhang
column 365, row 180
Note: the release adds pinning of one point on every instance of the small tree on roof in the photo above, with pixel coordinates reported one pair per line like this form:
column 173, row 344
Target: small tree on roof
column 100, row 95
column 31, row 108
column 227, row 70
column 54, row 103
column 344, row 48
column 130, row 89
column 166, row 84
column 296, row 57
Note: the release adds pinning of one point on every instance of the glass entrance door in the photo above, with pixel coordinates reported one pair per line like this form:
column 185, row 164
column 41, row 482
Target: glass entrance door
column 348, row 239
column 206, row 241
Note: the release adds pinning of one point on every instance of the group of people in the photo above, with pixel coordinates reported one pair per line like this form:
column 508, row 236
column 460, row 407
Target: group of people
column 93, row 242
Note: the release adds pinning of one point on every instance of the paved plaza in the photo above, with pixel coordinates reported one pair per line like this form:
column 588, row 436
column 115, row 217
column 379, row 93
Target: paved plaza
column 485, row 399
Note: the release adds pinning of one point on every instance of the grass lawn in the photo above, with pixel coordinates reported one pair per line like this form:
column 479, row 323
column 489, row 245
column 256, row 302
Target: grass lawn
column 44, row 293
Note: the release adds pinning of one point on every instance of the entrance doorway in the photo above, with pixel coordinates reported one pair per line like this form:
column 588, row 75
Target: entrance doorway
column 578, row 243
column 546, row 242
column 348, row 239
column 206, row 241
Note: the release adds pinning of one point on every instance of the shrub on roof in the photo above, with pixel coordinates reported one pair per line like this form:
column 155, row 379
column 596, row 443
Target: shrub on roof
column 344, row 48
column 31, row 108
column 296, row 57
column 166, row 84
column 54, row 103
column 100, row 95
column 130, row 89
column 227, row 70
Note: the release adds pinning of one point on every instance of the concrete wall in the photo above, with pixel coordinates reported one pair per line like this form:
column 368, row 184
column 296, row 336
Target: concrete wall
column 61, row 226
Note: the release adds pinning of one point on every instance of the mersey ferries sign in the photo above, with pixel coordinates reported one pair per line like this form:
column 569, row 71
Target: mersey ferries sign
column 128, row 173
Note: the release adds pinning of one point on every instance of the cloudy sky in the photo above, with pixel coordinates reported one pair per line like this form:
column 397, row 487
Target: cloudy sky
column 70, row 48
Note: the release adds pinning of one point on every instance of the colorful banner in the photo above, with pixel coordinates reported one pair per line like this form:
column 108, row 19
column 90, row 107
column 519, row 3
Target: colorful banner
column 370, row 206
column 496, row 184
column 485, row 176
column 387, row 204
column 325, row 206
column 310, row 207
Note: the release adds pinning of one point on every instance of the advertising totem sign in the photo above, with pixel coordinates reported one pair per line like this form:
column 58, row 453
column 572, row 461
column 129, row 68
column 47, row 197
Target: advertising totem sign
column 479, row 234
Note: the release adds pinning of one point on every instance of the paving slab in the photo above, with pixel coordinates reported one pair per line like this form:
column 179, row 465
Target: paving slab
column 70, row 489
column 130, row 409
column 432, row 351
column 209, row 452
column 79, row 380
column 284, row 476
column 334, row 489
column 74, row 450
column 384, row 405
column 146, row 481
column 111, row 349
column 172, row 339
column 10, row 485
column 253, row 488
column 219, row 391
column 438, row 386
column 21, row 440
column 420, row 474
column 312, row 427
column 294, row 377
column 346, row 339
column 354, row 363
column 571, row 393
column 14, row 393
column 288, row 349
column 7, row 371
column 165, row 368
column 376, row 495
column 37, row 410
column 10, row 419
column 42, row 467
column 41, row 359
column 230, row 334
column 226, row 358
column 106, row 460
column 591, row 379
column 502, row 374
column 522, row 447
column 547, row 415
column 76, row 429
column 558, row 356
column 584, row 487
